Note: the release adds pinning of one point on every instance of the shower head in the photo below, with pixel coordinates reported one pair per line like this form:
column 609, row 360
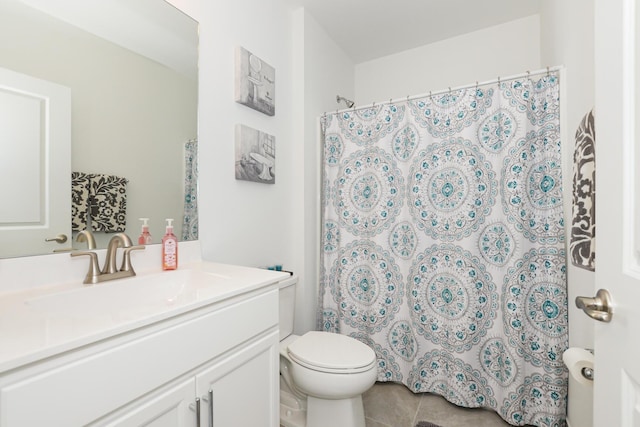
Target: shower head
column 349, row 103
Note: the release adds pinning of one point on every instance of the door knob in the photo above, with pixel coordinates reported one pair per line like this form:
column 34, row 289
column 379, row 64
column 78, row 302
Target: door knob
column 60, row 238
column 599, row 308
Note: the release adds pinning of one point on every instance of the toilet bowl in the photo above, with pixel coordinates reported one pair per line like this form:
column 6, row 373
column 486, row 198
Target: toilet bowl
column 323, row 375
column 330, row 372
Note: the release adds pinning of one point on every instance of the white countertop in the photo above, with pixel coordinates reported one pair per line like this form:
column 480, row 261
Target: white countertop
column 43, row 321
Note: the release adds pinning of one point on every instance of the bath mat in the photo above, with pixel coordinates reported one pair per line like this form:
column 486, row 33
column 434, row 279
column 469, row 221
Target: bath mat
column 426, row 424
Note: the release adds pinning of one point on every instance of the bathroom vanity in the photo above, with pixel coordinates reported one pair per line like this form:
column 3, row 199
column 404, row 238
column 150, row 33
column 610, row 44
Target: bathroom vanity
column 193, row 347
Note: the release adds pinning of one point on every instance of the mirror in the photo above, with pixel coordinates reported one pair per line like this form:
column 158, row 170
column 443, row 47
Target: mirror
column 131, row 70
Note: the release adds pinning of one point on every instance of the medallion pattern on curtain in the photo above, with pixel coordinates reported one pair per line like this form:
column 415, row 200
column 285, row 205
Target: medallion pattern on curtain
column 443, row 244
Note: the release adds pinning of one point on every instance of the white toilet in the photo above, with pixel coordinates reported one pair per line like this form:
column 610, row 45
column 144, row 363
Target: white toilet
column 322, row 375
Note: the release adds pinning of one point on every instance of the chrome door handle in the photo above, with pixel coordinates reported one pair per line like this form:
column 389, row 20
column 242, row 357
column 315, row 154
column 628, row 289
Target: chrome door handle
column 60, row 238
column 599, row 308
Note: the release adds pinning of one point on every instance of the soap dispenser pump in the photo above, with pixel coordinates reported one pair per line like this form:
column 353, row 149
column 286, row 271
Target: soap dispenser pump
column 169, row 248
column 145, row 236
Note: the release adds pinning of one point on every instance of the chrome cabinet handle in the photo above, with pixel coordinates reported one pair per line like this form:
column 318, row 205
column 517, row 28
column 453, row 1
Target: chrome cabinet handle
column 196, row 408
column 210, row 408
column 209, row 398
column 60, row 238
column 600, row 307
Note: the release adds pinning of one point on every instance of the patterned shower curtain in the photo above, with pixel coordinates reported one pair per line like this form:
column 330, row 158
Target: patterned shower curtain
column 190, row 216
column 443, row 244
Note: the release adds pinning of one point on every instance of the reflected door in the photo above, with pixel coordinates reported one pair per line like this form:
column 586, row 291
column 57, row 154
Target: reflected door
column 35, row 165
column 617, row 344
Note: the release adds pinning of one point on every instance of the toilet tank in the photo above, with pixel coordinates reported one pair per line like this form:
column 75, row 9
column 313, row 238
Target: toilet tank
column 287, row 306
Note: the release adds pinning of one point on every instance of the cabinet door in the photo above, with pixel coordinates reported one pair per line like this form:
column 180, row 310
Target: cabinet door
column 167, row 407
column 244, row 385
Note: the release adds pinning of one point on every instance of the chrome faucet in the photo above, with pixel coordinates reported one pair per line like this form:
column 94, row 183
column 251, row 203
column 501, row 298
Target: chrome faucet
column 110, row 271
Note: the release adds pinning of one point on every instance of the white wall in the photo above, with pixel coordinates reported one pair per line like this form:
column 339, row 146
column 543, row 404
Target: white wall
column 321, row 71
column 567, row 38
column 255, row 224
column 502, row 50
column 244, row 222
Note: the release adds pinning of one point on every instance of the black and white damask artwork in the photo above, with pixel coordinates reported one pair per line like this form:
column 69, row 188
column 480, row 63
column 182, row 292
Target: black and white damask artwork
column 583, row 227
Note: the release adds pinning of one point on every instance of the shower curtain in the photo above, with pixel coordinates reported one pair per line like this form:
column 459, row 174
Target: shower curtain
column 190, row 216
column 443, row 244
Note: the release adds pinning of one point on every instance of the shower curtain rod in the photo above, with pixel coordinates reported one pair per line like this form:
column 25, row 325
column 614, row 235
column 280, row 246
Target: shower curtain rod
column 547, row 70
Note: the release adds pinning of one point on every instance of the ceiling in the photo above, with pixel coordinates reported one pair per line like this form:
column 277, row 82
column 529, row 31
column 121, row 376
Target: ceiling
column 370, row 29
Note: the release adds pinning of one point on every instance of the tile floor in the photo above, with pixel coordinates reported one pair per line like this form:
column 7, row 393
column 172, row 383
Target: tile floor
column 394, row 405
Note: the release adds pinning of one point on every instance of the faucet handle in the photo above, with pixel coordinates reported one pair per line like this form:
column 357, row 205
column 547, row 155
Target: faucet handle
column 94, row 267
column 126, row 258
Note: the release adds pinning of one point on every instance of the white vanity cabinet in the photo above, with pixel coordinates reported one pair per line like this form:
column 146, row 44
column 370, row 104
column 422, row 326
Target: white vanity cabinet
column 237, row 390
column 152, row 375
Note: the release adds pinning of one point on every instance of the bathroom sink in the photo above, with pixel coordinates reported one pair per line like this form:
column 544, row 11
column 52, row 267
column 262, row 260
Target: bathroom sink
column 133, row 295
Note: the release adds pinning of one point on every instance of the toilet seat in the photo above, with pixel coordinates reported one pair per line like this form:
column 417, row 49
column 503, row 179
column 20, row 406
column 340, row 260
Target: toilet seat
column 332, row 353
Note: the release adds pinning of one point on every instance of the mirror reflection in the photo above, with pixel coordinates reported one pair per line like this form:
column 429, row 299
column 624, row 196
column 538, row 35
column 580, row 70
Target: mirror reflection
column 130, row 71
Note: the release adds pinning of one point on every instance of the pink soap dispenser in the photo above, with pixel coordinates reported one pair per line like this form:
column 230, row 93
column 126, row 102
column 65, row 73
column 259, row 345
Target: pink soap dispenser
column 169, row 248
column 145, row 236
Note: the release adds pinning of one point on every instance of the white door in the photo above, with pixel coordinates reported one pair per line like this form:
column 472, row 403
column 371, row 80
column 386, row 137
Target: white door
column 35, row 165
column 617, row 113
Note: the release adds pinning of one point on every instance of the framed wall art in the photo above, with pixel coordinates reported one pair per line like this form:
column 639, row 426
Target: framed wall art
column 255, row 155
column 255, row 82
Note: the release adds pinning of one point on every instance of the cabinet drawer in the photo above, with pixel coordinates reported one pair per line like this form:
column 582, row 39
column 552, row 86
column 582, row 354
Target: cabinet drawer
column 87, row 388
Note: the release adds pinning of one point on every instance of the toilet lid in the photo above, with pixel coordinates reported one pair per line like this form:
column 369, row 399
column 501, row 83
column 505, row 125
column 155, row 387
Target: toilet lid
column 328, row 351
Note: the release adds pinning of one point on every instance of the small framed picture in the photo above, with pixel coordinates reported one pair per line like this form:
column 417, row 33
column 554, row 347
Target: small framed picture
column 255, row 82
column 255, row 155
